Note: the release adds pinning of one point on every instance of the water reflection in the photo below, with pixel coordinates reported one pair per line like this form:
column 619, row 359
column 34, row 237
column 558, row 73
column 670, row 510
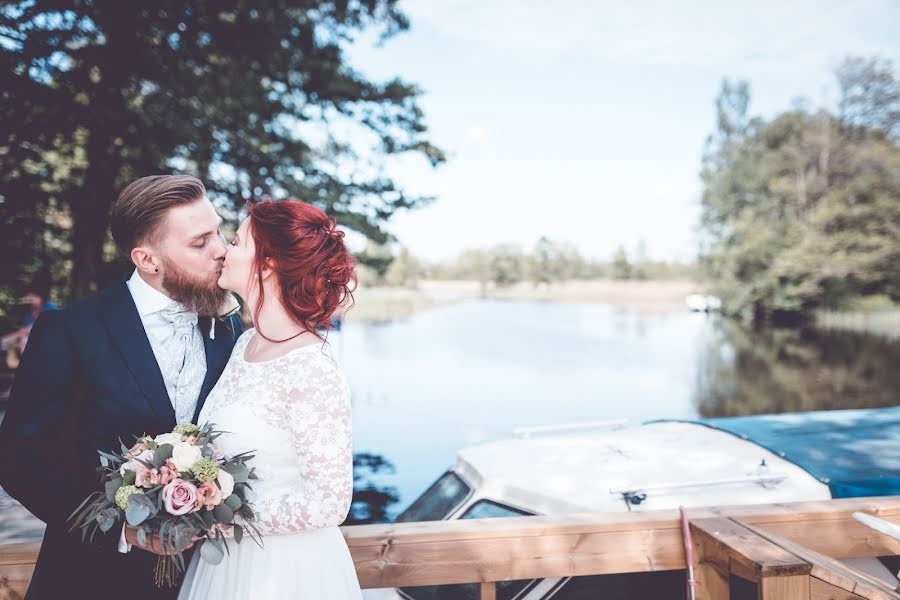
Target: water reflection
column 745, row 372
column 372, row 501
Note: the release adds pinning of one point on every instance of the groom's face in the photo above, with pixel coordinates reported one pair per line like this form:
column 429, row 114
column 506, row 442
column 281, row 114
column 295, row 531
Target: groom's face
column 192, row 250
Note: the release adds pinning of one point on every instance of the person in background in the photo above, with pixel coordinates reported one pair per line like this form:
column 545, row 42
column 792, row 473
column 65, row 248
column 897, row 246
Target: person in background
column 35, row 302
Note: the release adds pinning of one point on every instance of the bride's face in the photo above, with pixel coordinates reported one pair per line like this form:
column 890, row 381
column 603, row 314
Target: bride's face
column 237, row 269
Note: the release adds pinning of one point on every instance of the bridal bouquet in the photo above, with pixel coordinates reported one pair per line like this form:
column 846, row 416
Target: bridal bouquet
column 174, row 488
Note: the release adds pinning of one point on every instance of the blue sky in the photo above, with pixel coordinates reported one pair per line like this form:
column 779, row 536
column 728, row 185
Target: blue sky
column 585, row 121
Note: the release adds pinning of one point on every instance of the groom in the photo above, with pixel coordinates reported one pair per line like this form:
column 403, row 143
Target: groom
column 138, row 357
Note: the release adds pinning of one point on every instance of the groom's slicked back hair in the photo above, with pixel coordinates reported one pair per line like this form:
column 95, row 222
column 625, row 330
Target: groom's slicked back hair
column 141, row 208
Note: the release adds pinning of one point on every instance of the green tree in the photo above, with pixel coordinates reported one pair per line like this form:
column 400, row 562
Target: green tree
column 802, row 211
column 250, row 97
column 376, row 257
column 542, row 257
column 621, row 267
column 506, row 265
column 404, row 270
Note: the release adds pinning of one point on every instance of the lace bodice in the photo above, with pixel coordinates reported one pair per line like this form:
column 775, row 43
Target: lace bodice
column 294, row 413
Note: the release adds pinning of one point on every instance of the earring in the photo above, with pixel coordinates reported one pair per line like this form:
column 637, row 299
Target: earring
column 156, row 270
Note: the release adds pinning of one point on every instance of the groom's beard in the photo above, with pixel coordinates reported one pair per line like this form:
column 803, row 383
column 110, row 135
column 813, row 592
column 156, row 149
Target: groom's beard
column 201, row 295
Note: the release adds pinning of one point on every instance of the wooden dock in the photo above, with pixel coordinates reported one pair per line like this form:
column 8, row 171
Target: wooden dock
column 787, row 551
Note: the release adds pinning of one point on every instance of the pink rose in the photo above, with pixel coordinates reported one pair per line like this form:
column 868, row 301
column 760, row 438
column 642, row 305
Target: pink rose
column 208, row 495
column 179, row 497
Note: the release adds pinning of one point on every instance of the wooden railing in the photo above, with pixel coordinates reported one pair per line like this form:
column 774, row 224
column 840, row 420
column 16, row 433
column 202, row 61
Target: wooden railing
column 789, row 551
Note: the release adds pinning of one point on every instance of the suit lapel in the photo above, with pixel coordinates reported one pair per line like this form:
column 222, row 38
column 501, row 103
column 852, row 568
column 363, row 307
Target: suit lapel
column 124, row 325
column 217, row 352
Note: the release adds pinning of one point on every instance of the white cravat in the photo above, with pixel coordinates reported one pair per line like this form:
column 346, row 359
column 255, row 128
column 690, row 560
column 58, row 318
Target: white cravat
column 177, row 344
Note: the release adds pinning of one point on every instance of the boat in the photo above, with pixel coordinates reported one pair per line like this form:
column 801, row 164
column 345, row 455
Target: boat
column 703, row 303
column 662, row 464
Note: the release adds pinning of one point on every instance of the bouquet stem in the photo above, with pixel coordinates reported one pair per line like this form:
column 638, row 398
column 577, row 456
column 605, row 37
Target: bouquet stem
column 166, row 572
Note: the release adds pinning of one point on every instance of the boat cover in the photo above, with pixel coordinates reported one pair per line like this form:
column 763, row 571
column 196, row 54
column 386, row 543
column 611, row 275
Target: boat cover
column 855, row 452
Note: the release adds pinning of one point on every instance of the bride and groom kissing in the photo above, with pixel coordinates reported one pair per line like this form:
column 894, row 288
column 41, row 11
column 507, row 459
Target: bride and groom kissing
column 164, row 347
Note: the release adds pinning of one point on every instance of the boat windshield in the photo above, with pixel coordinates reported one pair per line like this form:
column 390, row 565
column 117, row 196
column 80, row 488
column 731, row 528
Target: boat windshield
column 438, row 501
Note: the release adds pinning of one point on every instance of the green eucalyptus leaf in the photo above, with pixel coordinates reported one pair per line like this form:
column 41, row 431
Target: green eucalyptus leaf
column 106, row 519
column 111, row 488
column 223, row 513
column 207, row 517
column 128, row 477
column 139, row 509
column 211, row 551
column 162, row 454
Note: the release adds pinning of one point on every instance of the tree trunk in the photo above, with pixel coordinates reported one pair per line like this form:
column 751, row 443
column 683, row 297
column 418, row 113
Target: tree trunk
column 90, row 216
column 91, row 203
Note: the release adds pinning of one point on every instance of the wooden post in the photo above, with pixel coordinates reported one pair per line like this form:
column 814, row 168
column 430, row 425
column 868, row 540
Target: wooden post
column 488, row 590
column 724, row 547
column 711, row 570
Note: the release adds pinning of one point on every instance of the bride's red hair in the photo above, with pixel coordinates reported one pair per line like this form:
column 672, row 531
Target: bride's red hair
column 306, row 252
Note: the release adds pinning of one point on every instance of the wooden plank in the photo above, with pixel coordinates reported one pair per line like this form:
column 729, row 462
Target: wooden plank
column 515, row 527
column 822, row 590
column 18, row 577
column 17, row 566
column 503, row 559
column 12, row 554
column 791, row 587
column 834, row 572
column 826, row 526
column 745, row 553
column 842, row 509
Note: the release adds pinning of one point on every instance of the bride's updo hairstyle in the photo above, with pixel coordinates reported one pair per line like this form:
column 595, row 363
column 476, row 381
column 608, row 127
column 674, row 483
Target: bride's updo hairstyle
column 306, row 252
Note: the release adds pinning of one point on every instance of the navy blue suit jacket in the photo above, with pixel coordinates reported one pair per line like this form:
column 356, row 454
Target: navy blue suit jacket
column 87, row 377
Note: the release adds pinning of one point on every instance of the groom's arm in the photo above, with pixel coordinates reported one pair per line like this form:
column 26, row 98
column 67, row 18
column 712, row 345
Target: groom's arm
column 38, row 464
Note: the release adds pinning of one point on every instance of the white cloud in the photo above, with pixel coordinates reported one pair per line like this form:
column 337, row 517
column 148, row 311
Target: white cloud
column 686, row 33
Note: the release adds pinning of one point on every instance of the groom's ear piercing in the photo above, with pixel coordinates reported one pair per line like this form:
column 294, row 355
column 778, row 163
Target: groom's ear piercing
column 156, row 270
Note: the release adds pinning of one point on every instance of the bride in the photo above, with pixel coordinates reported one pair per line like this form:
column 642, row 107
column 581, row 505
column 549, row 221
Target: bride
column 282, row 395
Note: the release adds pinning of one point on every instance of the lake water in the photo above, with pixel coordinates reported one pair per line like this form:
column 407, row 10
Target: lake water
column 470, row 372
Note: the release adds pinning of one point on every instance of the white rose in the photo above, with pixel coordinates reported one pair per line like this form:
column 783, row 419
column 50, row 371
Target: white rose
column 226, row 483
column 167, row 438
column 184, row 455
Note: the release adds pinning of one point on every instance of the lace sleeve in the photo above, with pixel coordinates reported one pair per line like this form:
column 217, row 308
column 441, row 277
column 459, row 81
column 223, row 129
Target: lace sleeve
column 317, row 412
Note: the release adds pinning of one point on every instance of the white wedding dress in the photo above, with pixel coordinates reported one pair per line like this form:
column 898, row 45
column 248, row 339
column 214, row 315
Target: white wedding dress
column 294, row 413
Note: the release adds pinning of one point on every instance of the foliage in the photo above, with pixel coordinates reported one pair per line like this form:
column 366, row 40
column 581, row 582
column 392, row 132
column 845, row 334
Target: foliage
column 255, row 99
column 803, row 211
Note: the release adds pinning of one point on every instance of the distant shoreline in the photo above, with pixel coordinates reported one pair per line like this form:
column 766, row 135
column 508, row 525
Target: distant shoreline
column 382, row 303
